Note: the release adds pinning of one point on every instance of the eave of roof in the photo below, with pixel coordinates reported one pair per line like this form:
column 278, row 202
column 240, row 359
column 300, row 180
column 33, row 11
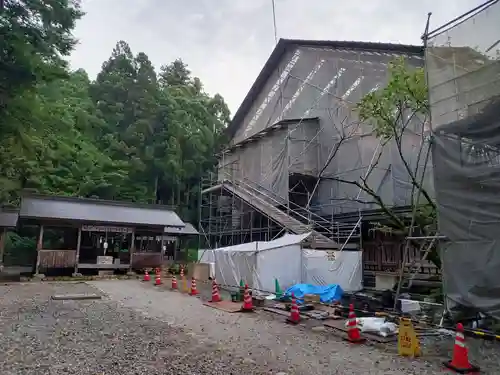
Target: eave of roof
column 8, row 217
column 270, row 129
column 29, row 194
column 280, row 50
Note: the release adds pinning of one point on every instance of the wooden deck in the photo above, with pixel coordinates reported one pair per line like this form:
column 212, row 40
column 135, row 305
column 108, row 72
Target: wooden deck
column 95, row 266
column 15, row 270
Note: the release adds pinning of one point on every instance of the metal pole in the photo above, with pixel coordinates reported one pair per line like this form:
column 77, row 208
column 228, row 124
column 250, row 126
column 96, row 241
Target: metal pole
column 200, row 211
column 426, row 237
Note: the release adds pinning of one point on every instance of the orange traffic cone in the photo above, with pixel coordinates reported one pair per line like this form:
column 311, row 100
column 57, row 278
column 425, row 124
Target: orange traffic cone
column 146, row 276
column 157, row 279
column 182, row 273
column 353, row 334
column 174, row 282
column 460, row 360
column 215, row 292
column 194, row 291
column 294, row 317
column 247, row 300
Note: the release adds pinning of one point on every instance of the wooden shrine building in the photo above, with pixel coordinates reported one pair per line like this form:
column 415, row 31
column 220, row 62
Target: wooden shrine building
column 82, row 233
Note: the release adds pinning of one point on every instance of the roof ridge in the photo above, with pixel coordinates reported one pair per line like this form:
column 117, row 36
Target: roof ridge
column 97, row 201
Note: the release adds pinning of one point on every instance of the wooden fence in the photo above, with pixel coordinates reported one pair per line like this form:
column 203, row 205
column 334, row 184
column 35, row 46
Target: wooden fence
column 146, row 260
column 57, row 258
column 384, row 254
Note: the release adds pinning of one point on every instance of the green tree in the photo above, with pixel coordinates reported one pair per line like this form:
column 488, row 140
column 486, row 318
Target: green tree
column 35, row 36
column 165, row 125
column 175, row 74
column 397, row 111
column 130, row 135
column 196, row 126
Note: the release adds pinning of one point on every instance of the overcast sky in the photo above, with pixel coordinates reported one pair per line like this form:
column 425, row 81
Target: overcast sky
column 226, row 42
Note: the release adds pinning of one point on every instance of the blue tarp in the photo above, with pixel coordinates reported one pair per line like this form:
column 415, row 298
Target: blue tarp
column 327, row 293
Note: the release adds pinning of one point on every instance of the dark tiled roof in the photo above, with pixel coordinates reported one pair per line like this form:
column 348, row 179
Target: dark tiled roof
column 8, row 217
column 282, row 47
column 97, row 211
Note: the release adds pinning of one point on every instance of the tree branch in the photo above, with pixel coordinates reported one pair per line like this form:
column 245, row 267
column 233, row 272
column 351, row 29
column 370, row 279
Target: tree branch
column 399, row 141
column 363, row 186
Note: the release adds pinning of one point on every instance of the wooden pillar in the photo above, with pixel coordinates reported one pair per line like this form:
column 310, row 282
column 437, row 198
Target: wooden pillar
column 162, row 243
column 177, row 248
column 78, row 244
column 2, row 245
column 132, row 249
column 39, row 246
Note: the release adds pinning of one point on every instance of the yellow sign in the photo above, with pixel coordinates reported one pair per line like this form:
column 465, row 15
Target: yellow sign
column 408, row 344
column 185, row 288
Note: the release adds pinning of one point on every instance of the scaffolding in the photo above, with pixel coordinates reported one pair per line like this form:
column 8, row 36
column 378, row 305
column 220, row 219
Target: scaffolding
column 463, row 73
column 305, row 152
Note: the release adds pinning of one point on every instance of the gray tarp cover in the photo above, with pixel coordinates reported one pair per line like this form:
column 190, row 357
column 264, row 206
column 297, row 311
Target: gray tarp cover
column 466, row 157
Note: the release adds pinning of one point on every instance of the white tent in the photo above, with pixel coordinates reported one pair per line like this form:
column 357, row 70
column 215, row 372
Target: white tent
column 345, row 269
column 259, row 263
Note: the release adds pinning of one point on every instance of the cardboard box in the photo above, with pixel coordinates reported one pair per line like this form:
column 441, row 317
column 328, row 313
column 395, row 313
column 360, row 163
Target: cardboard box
column 201, row 271
column 311, row 298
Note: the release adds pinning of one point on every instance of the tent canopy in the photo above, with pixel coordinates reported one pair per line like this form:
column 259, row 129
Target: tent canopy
column 256, row 246
column 258, row 264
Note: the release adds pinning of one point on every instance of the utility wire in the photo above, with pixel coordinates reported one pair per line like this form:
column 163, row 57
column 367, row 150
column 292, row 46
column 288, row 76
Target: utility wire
column 460, row 19
column 274, row 23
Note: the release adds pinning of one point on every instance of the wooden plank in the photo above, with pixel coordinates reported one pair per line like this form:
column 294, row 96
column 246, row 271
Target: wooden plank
column 39, row 246
column 78, row 245
column 322, row 312
column 283, row 312
column 227, row 306
column 132, row 249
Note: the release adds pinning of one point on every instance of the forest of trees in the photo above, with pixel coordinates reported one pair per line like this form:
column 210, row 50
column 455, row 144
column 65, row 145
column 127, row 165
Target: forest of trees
column 129, row 134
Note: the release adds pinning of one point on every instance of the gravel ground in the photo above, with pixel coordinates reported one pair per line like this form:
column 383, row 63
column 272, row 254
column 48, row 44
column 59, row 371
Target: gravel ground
column 266, row 340
column 140, row 329
column 44, row 337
